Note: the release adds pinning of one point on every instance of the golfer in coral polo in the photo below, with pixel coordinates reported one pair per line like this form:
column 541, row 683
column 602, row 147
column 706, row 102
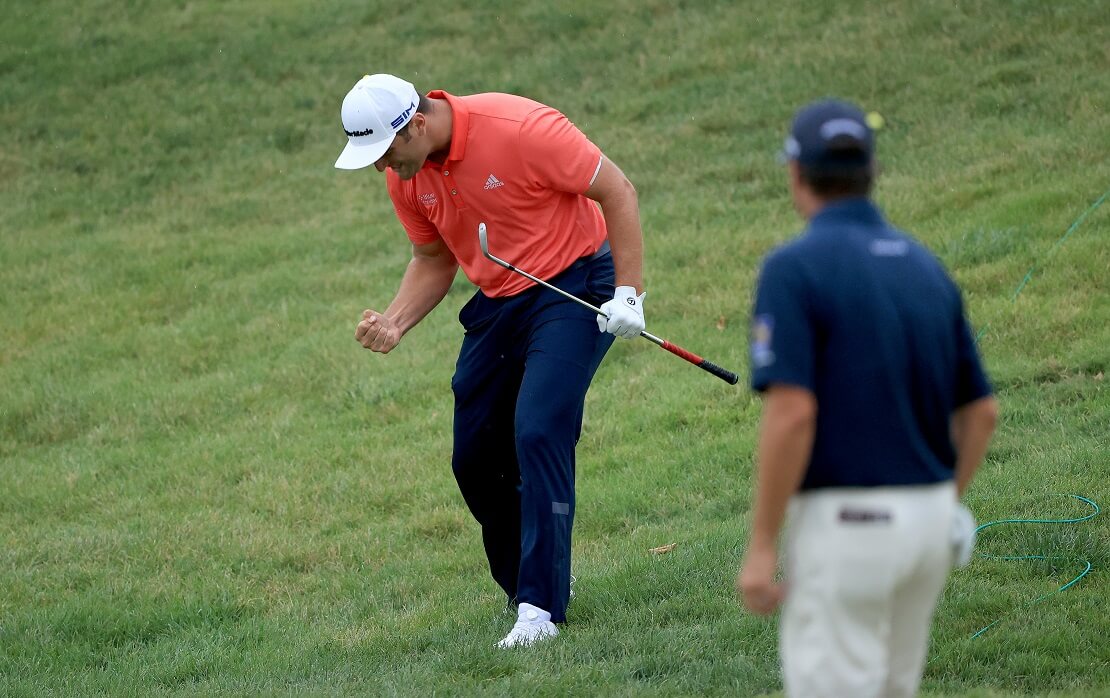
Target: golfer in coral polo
column 528, row 354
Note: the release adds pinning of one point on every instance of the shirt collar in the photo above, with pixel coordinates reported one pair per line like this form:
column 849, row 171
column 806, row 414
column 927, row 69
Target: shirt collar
column 460, row 123
column 859, row 210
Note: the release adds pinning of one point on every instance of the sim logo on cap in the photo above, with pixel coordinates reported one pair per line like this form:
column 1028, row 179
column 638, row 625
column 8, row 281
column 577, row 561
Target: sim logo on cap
column 403, row 117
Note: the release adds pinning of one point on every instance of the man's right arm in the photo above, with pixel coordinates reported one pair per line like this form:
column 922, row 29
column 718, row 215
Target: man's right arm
column 426, row 281
column 972, row 427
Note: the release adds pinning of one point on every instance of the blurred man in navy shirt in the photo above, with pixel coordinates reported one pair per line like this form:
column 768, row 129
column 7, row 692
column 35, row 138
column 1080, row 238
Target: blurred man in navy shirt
column 876, row 415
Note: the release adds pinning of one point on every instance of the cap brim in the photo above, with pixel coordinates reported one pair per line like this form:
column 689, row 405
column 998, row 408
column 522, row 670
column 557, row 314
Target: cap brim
column 356, row 157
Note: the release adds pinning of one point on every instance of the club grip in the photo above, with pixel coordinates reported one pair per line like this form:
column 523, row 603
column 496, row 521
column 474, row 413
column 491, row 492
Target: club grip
column 727, row 376
column 724, row 374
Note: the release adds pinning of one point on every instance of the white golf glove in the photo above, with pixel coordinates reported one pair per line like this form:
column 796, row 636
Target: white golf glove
column 962, row 535
column 624, row 315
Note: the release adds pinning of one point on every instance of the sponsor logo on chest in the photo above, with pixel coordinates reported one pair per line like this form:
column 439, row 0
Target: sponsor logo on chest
column 428, row 199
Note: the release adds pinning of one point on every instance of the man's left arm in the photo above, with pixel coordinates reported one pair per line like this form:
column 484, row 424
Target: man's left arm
column 786, row 435
column 617, row 196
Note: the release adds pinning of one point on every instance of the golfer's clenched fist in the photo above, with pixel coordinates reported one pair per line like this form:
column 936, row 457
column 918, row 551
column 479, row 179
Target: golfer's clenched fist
column 377, row 332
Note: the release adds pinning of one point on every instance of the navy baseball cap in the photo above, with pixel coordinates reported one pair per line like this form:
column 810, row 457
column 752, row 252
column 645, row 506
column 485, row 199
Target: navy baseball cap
column 830, row 134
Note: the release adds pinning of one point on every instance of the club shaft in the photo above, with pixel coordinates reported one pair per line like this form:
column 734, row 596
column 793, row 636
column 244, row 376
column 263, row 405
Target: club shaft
column 570, row 296
column 541, row 282
column 724, row 374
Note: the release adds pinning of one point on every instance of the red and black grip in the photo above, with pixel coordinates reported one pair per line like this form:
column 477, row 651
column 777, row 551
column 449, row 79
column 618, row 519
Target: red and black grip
column 725, row 375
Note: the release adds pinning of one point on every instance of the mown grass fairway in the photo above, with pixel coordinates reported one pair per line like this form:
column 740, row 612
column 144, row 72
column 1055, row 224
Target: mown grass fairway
column 207, row 487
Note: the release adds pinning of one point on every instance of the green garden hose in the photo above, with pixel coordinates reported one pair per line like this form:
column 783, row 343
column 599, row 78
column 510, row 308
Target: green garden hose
column 1021, row 286
column 1082, row 574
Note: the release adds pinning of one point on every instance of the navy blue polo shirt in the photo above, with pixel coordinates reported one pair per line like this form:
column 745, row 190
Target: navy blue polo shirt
column 870, row 322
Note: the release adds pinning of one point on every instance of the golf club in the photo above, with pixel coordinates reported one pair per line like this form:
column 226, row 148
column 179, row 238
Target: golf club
column 725, row 375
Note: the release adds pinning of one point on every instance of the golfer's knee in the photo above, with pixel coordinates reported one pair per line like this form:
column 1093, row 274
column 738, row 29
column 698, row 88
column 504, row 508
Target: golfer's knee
column 535, row 437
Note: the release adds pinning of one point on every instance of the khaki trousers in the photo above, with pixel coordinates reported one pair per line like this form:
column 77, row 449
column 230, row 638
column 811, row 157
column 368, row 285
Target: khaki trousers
column 864, row 570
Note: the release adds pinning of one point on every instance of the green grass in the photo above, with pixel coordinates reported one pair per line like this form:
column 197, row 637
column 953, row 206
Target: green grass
column 207, row 488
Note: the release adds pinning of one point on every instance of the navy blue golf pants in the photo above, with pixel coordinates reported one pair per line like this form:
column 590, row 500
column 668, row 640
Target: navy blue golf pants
column 520, row 384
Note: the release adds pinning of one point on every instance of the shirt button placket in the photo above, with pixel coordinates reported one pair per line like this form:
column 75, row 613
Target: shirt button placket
column 453, row 188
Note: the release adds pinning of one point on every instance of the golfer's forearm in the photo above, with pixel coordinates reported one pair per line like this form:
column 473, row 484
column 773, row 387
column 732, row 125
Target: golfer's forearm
column 785, row 445
column 617, row 197
column 972, row 428
column 622, row 220
column 425, row 283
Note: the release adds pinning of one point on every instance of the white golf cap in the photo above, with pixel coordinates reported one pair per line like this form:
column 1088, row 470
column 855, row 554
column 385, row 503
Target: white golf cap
column 373, row 111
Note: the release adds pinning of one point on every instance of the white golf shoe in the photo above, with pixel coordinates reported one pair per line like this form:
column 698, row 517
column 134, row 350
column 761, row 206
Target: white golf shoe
column 532, row 624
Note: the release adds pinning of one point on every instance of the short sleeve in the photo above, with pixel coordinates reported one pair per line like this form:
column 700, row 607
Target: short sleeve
column 782, row 335
column 971, row 379
column 419, row 227
column 556, row 155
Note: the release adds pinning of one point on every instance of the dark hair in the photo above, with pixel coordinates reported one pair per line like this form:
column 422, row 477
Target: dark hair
column 848, row 172
column 839, row 182
column 424, row 106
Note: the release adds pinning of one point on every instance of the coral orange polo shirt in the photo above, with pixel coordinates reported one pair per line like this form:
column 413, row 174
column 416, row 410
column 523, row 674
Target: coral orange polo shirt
column 519, row 167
